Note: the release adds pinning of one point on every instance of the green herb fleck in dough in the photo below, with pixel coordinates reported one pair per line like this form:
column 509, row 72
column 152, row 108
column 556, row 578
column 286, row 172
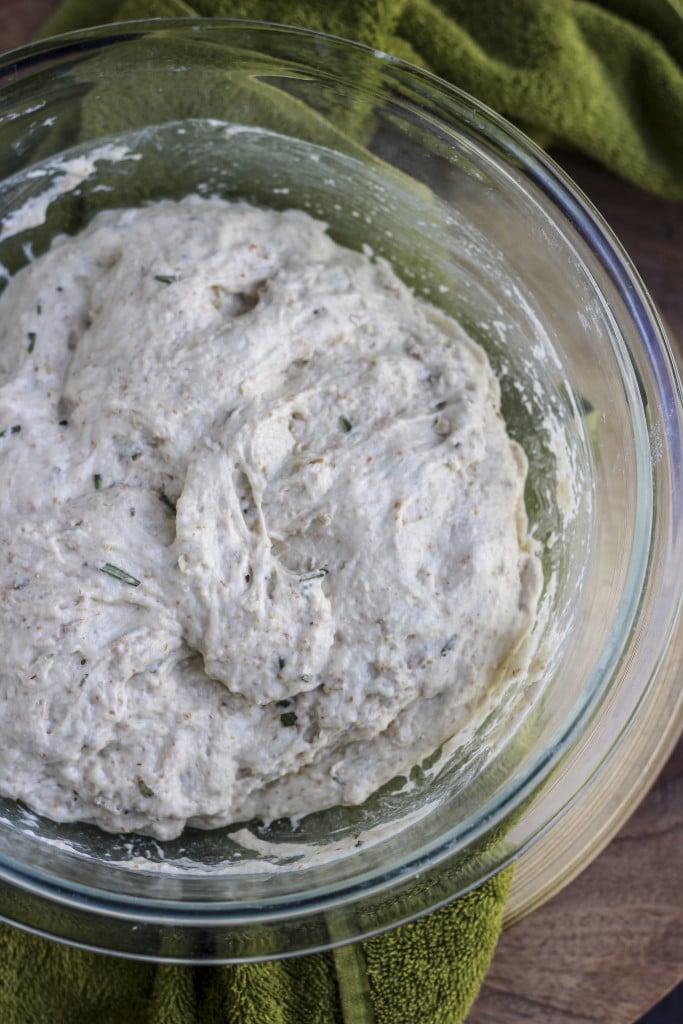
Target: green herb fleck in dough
column 119, row 574
column 165, row 500
column 316, row 574
column 449, row 645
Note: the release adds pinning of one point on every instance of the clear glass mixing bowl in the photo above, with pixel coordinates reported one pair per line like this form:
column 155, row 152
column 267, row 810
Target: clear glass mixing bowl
column 484, row 225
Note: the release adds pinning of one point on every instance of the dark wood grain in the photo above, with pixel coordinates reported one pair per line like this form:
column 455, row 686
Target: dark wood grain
column 610, row 945
column 649, row 228
column 20, row 19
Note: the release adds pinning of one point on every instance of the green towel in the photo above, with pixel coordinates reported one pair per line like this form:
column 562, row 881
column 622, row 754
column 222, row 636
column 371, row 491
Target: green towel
column 427, row 972
column 604, row 77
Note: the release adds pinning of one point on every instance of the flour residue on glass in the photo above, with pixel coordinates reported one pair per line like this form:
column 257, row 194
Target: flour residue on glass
column 66, row 174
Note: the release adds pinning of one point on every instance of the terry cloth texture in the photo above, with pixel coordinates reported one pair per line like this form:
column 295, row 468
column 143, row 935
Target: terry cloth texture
column 427, row 972
column 604, row 77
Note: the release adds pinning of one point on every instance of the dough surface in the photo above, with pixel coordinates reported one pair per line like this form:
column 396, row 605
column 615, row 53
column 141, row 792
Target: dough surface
column 263, row 534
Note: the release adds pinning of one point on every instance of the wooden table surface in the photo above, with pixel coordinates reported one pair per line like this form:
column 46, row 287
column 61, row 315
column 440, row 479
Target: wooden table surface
column 610, row 945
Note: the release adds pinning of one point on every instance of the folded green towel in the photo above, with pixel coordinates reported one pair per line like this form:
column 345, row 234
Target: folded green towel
column 604, row 77
column 427, row 972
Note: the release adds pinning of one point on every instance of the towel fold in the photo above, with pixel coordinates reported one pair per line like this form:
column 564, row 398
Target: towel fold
column 603, row 77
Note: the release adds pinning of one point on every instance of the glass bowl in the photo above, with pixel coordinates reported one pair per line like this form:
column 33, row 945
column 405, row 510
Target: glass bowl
column 480, row 222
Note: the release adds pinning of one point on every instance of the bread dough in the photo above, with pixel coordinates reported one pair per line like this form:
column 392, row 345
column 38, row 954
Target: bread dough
column 263, row 540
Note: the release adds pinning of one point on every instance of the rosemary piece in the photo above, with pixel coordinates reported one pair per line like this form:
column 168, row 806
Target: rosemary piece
column 39, row 307
column 144, row 788
column 31, row 341
column 15, row 429
column 165, row 278
column 281, row 662
column 97, row 480
column 316, row 574
column 449, row 645
column 165, row 500
column 119, row 574
column 345, row 424
column 288, row 718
